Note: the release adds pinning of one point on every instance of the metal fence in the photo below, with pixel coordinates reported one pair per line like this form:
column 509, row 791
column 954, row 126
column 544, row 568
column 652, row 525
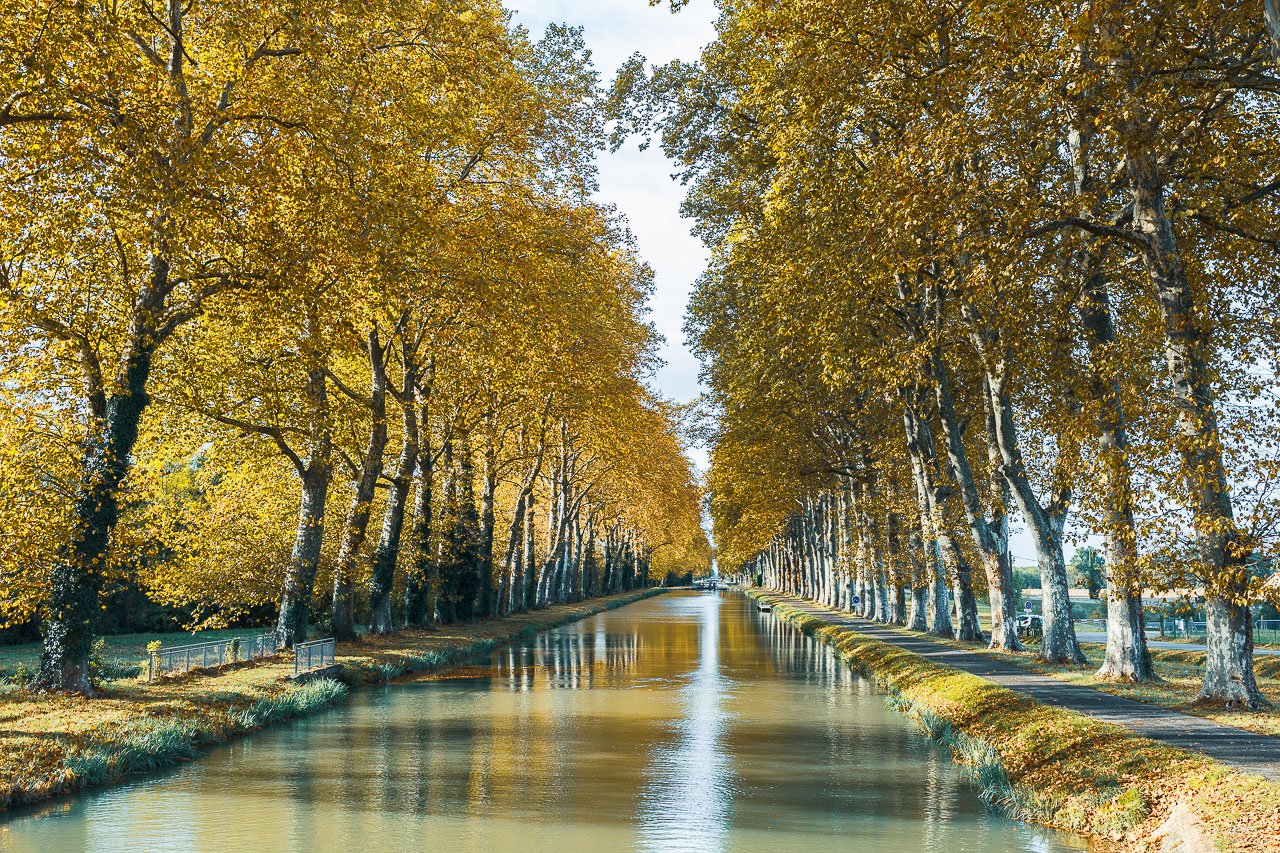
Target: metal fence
column 263, row 646
column 1173, row 628
column 196, row 655
column 1182, row 629
column 213, row 653
column 1266, row 631
column 313, row 655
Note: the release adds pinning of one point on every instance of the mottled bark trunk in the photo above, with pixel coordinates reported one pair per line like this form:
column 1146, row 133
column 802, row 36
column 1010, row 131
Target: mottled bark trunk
column 356, row 529
column 919, row 618
column 546, row 573
column 304, row 560
column 966, row 602
column 990, row 539
column 1000, row 499
column 606, row 572
column 387, row 555
column 1271, row 16
column 831, row 544
column 467, row 534
column 1223, row 553
column 1045, row 523
column 919, row 452
column 593, row 568
column 1127, row 657
column 531, row 578
column 515, row 557
column 316, row 473
column 577, row 585
column 446, row 547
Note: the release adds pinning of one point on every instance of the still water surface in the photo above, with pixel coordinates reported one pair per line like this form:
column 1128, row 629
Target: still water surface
column 686, row 722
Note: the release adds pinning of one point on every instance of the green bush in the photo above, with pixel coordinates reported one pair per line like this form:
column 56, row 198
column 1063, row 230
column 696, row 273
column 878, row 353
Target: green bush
column 1026, row 579
column 20, row 674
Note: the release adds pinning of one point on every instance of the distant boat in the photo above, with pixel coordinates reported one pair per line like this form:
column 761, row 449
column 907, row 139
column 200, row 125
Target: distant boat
column 764, row 606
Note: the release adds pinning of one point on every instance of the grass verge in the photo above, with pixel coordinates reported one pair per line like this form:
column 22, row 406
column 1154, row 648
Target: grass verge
column 1052, row 766
column 52, row 744
column 1180, row 673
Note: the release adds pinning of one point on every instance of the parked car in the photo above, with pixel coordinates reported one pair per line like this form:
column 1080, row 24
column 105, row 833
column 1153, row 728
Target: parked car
column 1030, row 625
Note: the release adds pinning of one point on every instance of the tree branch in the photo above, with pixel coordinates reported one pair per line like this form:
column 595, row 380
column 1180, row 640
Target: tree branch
column 1133, row 238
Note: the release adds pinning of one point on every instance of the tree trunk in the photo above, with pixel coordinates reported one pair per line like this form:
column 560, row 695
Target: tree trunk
column 952, row 564
column 1223, row 553
column 76, row 578
column 1127, row 657
column 388, row 553
column 990, row 539
column 468, row 531
column 576, row 586
column 487, row 601
column 357, row 526
column 419, row 595
column 514, row 558
column 918, row 620
column 1045, row 523
column 1271, row 14
column 316, row 473
column 593, row 568
column 531, row 579
column 446, row 556
column 940, row 622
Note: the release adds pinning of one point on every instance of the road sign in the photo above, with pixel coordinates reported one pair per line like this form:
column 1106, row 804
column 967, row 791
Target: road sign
column 1026, row 606
column 857, row 599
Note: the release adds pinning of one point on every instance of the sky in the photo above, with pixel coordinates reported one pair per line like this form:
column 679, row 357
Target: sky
column 639, row 183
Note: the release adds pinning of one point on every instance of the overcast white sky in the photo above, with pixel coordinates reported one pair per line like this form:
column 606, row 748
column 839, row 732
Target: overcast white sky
column 639, row 182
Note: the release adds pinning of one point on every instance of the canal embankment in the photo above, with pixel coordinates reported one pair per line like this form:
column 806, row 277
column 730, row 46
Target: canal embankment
column 685, row 722
column 1050, row 764
column 54, row 744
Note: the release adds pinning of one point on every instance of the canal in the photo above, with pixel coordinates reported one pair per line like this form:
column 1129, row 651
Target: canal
column 685, row 722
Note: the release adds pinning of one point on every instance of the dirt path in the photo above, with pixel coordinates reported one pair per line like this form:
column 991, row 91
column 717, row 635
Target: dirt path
column 1244, row 750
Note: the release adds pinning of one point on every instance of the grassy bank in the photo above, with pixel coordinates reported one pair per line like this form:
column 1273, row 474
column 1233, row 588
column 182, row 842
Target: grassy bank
column 1180, row 673
column 124, row 653
column 50, row 745
column 1053, row 766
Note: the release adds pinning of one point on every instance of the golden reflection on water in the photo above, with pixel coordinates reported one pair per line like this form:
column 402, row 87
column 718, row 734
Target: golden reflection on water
column 687, row 722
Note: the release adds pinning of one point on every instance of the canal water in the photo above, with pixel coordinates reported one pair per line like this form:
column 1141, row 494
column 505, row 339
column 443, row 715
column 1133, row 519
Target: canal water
column 685, row 722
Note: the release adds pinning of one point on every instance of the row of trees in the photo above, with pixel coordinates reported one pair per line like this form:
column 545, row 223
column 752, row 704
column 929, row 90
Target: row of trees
column 978, row 258
column 270, row 272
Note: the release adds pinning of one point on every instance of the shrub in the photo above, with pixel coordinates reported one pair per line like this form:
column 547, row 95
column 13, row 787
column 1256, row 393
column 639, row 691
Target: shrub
column 20, row 675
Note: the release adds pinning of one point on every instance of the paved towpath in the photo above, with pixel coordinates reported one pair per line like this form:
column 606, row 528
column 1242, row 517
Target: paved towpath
column 1248, row 751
